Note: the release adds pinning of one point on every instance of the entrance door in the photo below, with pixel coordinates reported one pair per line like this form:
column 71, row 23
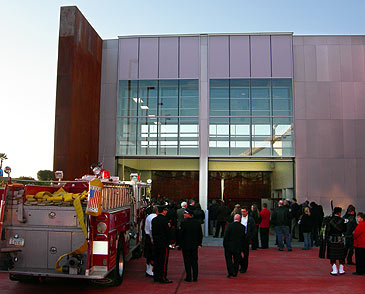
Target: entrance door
column 240, row 187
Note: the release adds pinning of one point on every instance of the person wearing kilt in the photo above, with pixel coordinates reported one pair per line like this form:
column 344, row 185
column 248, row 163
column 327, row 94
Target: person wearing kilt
column 335, row 242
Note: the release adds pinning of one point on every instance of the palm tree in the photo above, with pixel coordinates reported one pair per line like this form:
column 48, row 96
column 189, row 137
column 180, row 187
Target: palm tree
column 2, row 158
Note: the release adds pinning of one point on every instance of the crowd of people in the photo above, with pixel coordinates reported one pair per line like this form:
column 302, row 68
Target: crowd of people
column 169, row 226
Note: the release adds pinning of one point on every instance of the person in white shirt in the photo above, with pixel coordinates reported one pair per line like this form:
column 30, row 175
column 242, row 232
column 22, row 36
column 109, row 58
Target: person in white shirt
column 250, row 228
column 148, row 245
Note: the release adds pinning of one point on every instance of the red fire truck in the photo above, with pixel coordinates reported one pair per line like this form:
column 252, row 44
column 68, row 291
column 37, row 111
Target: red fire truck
column 45, row 232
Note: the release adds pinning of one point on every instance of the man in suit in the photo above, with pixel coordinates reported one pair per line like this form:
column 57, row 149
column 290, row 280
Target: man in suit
column 250, row 230
column 190, row 238
column 161, row 240
column 234, row 238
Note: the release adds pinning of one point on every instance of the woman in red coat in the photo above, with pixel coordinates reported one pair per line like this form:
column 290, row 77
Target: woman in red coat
column 359, row 245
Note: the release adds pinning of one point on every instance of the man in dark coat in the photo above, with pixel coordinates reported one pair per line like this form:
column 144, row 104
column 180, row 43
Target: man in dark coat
column 280, row 218
column 351, row 224
column 161, row 240
column 317, row 217
column 190, row 238
column 295, row 214
column 234, row 238
column 221, row 220
column 250, row 229
column 212, row 216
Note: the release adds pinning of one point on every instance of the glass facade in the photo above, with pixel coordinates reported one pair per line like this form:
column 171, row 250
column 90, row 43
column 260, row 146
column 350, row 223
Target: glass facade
column 158, row 117
column 251, row 117
column 248, row 117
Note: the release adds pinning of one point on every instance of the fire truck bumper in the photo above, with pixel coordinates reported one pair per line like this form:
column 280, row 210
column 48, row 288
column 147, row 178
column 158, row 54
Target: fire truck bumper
column 95, row 274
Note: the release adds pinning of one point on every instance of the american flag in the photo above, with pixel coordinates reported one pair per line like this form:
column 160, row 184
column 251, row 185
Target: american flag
column 94, row 198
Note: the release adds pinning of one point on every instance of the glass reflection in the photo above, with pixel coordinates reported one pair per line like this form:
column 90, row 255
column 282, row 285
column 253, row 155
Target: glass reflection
column 258, row 117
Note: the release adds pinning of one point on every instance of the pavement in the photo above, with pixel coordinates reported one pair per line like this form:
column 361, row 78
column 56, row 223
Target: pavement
column 269, row 271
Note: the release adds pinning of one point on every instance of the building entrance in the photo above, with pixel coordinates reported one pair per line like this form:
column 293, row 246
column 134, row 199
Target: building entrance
column 250, row 182
column 241, row 187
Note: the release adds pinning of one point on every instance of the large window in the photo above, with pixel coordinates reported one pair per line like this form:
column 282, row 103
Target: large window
column 158, row 117
column 251, row 117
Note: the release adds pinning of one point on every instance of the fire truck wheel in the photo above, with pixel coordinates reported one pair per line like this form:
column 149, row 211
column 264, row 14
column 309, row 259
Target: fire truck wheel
column 117, row 274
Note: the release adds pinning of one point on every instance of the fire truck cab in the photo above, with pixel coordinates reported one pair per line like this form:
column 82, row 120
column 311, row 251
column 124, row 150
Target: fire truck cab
column 47, row 234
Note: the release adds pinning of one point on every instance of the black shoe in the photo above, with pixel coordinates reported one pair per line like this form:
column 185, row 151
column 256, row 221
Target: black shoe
column 357, row 274
column 229, row 276
column 149, row 276
column 290, row 249
column 165, row 282
column 187, row 280
column 280, row 249
column 195, row 280
column 242, row 271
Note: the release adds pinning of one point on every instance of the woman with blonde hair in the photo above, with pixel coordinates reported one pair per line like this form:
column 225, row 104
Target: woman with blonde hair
column 306, row 221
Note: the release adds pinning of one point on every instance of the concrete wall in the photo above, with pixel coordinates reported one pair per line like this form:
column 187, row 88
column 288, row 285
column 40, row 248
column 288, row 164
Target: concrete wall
column 108, row 105
column 78, row 95
column 329, row 85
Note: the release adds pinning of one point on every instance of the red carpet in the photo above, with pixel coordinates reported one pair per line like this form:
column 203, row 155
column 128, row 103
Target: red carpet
column 270, row 271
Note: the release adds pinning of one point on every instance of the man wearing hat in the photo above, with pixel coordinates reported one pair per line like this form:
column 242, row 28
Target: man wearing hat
column 161, row 240
column 190, row 238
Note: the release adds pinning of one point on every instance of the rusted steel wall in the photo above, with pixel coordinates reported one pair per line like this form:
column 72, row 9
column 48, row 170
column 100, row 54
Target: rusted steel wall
column 78, row 95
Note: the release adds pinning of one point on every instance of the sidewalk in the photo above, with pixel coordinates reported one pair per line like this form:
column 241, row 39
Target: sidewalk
column 211, row 241
column 269, row 271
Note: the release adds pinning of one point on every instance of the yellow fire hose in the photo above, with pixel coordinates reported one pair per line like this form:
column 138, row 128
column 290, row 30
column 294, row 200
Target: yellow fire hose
column 83, row 248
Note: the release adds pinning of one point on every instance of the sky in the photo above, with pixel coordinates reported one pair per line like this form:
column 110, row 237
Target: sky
column 29, row 50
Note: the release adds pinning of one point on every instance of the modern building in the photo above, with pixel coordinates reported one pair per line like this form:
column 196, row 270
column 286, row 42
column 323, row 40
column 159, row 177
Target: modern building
column 244, row 117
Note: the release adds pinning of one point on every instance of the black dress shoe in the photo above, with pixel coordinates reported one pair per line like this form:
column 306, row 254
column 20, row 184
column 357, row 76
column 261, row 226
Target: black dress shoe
column 187, row 280
column 242, row 271
column 195, row 280
column 149, row 276
column 165, row 282
column 228, row 276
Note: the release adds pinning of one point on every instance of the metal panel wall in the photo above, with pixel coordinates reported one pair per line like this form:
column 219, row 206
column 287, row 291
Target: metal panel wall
column 169, row 58
column 282, row 60
column 239, row 56
column 128, row 59
column 260, row 57
column 189, row 58
column 329, row 119
column 148, row 58
column 218, row 57
column 108, row 105
column 78, row 95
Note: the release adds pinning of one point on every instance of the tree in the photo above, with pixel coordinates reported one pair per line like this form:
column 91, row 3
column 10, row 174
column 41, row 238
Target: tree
column 23, row 180
column 3, row 157
column 45, row 175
